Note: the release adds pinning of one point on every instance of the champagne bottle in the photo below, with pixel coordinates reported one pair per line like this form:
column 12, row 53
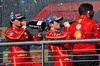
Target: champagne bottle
column 70, row 22
column 36, row 25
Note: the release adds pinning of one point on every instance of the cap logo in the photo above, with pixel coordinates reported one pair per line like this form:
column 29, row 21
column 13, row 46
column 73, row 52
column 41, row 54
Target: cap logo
column 49, row 20
column 17, row 14
column 54, row 17
column 12, row 16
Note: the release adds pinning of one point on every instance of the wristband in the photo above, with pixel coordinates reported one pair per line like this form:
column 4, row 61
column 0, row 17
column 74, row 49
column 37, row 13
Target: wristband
column 24, row 27
column 67, row 25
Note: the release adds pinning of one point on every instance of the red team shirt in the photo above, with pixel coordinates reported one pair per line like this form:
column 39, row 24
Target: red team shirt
column 20, row 53
column 61, row 56
column 83, row 28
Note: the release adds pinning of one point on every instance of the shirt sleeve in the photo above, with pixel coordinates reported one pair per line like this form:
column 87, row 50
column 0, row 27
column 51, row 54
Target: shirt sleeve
column 56, row 36
column 14, row 34
column 96, row 31
column 68, row 37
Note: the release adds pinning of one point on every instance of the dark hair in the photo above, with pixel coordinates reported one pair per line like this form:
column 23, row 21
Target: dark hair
column 11, row 23
column 84, row 8
column 49, row 26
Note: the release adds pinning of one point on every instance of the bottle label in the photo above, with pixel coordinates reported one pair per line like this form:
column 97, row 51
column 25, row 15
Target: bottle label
column 34, row 26
column 39, row 22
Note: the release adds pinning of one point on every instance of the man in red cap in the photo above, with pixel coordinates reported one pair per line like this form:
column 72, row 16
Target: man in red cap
column 20, row 54
column 61, row 56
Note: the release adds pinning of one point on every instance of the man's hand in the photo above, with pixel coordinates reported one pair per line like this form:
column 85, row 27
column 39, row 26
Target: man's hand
column 40, row 33
column 66, row 24
column 24, row 23
column 40, row 30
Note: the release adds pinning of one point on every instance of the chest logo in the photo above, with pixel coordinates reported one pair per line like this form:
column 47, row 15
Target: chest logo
column 15, row 31
column 25, row 33
column 78, row 26
column 78, row 34
column 80, row 20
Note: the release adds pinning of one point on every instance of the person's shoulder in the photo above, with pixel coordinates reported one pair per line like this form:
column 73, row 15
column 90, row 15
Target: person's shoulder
column 73, row 24
column 7, row 31
column 50, row 32
column 92, row 21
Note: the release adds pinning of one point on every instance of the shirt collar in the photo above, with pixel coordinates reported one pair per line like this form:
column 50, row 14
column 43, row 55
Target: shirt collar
column 14, row 28
column 83, row 16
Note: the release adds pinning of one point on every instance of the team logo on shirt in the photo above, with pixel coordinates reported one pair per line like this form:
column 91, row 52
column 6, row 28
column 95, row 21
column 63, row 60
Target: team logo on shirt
column 54, row 17
column 78, row 26
column 78, row 34
column 10, row 34
column 15, row 31
column 79, row 20
column 25, row 33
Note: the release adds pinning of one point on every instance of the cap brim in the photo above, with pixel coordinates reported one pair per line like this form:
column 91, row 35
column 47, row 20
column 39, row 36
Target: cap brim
column 21, row 17
column 58, row 19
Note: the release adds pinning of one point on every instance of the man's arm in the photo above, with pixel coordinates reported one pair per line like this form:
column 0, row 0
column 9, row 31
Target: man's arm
column 96, row 31
column 68, row 37
column 15, row 34
column 58, row 36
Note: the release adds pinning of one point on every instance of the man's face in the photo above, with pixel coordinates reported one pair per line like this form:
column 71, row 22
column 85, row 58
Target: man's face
column 17, row 23
column 56, row 25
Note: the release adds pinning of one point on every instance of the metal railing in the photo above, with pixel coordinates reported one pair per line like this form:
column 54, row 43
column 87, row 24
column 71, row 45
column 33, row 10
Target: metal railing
column 3, row 44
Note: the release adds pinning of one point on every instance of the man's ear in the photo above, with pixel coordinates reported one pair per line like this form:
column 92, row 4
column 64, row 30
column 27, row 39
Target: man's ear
column 88, row 14
column 50, row 24
column 12, row 21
